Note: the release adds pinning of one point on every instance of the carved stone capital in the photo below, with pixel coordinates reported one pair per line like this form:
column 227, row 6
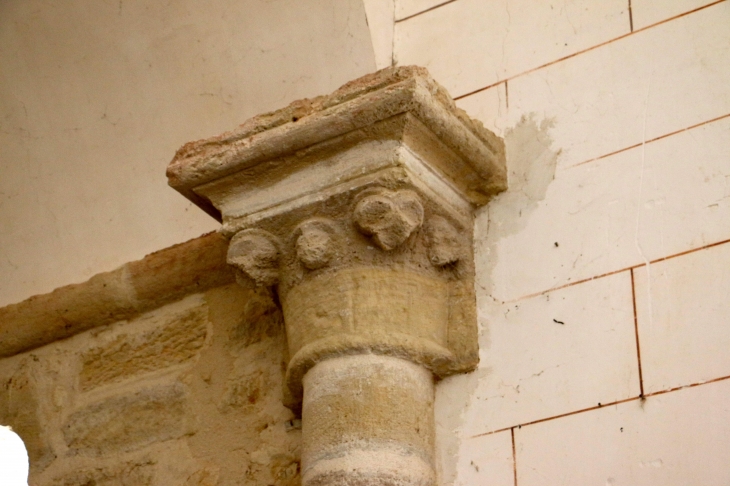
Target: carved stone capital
column 357, row 208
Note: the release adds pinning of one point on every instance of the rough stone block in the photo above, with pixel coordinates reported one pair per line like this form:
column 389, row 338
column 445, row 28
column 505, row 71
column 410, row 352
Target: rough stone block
column 175, row 341
column 245, row 391
column 260, row 319
column 128, row 422
column 177, row 271
column 140, row 473
column 207, row 476
column 285, row 470
column 159, row 278
column 19, row 408
column 68, row 310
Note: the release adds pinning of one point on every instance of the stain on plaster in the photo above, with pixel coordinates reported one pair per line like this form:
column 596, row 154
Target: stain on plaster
column 531, row 162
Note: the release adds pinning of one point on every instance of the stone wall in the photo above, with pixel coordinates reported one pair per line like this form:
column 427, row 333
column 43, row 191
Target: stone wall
column 186, row 394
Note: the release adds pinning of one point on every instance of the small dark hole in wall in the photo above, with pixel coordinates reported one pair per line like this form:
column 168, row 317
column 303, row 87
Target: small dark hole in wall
column 294, row 118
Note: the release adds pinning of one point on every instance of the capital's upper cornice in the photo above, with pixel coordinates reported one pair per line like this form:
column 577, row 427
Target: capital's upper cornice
column 400, row 103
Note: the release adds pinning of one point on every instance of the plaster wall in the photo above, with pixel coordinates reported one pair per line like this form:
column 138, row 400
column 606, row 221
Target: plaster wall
column 95, row 97
column 602, row 272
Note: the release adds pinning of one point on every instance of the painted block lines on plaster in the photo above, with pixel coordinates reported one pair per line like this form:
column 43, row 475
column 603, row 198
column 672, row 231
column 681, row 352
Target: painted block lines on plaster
column 565, row 58
column 642, row 13
column 683, row 310
column 514, row 454
column 555, row 353
column 685, row 354
column 407, row 9
column 644, row 142
column 646, row 13
column 633, row 268
column 631, row 17
column 600, row 111
column 636, row 333
column 613, row 214
column 490, row 107
column 635, row 89
column 471, row 43
column 673, row 439
column 474, row 414
column 491, row 463
column 602, row 405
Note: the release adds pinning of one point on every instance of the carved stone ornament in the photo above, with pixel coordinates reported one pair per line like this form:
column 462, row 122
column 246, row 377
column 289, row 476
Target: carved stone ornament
column 357, row 209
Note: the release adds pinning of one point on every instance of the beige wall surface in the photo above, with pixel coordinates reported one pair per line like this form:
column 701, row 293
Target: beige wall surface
column 95, row 97
column 602, row 273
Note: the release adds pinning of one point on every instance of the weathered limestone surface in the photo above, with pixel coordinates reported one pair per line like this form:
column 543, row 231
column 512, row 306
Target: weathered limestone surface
column 20, row 408
column 129, row 474
column 353, row 113
column 382, row 406
column 125, row 423
column 135, row 288
column 356, row 210
column 357, row 207
column 175, row 340
column 98, row 408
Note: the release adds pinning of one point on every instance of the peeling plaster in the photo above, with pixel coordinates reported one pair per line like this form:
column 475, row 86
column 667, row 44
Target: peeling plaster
column 531, row 163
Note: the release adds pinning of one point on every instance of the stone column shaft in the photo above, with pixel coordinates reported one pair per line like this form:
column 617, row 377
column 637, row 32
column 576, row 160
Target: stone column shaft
column 368, row 420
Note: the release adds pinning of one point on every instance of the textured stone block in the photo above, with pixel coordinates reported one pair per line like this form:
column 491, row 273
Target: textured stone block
column 176, row 340
column 246, row 391
column 19, row 408
column 127, row 422
column 140, row 473
column 162, row 277
column 68, row 310
column 207, row 476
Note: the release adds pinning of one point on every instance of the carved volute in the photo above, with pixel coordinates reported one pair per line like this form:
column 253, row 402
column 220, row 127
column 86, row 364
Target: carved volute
column 356, row 208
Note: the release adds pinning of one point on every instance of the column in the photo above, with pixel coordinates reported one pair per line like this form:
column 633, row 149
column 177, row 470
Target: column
column 356, row 209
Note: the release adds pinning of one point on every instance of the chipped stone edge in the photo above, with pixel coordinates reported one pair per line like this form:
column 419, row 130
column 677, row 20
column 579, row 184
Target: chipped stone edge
column 306, row 122
column 130, row 290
